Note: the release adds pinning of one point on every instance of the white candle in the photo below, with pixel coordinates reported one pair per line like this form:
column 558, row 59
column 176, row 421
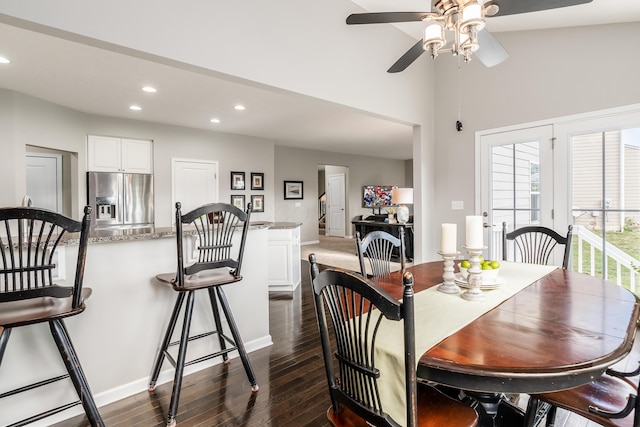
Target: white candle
column 449, row 238
column 474, row 232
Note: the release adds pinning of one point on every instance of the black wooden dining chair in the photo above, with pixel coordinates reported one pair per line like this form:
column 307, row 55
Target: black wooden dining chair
column 535, row 244
column 218, row 262
column 610, row 400
column 30, row 293
column 378, row 248
column 356, row 307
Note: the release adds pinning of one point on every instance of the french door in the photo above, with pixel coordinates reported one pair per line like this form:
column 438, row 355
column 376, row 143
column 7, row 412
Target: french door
column 516, row 181
column 582, row 170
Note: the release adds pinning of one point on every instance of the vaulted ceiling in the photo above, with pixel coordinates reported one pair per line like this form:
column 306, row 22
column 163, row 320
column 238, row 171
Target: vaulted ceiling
column 100, row 81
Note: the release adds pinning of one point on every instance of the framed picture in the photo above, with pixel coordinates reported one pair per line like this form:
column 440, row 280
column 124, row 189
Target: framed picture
column 293, row 190
column 237, row 181
column 257, row 181
column 257, row 201
column 237, row 200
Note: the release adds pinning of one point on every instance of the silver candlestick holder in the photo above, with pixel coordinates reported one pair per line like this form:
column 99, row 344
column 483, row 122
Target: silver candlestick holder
column 448, row 286
column 474, row 278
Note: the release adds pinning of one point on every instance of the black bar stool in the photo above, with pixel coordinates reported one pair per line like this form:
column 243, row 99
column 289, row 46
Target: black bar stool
column 217, row 264
column 29, row 295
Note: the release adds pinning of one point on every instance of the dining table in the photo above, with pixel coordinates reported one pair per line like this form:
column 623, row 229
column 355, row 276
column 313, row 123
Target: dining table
column 539, row 329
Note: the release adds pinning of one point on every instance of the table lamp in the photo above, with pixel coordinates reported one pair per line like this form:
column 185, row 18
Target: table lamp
column 400, row 197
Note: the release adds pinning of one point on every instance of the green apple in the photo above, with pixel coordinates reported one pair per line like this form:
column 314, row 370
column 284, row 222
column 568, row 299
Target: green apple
column 465, row 264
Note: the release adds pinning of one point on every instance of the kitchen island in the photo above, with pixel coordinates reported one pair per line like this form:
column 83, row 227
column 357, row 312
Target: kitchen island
column 284, row 256
column 117, row 336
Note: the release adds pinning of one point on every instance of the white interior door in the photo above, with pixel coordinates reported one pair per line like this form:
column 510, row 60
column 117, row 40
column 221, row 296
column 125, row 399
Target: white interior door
column 516, row 182
column 195, row 183
column 44, row 180
column 336, row 205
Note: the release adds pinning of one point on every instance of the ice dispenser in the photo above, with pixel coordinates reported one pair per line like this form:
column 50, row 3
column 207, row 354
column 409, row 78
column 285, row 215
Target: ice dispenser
column 105, row 208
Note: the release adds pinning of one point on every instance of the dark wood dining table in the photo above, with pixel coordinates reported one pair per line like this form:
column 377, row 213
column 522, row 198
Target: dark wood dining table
column 563, row 330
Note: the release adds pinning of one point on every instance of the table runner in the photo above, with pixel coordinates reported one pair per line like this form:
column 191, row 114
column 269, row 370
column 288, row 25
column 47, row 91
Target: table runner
column 438, row 316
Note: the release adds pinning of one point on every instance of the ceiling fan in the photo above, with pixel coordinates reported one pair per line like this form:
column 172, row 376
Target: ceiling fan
column 466, row 19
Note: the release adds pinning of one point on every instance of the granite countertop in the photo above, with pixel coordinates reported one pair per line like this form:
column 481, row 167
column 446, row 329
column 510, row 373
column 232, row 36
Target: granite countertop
column 284, row 225
column 146, row 233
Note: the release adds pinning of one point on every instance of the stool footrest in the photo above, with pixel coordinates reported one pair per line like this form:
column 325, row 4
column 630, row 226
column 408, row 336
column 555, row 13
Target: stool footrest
column 206, row 357
column 34, row 385
column 210, row 356
column 195, row 337
column 45, row 414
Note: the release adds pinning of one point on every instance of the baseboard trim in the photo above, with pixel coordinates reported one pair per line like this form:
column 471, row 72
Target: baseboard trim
column 134, row 387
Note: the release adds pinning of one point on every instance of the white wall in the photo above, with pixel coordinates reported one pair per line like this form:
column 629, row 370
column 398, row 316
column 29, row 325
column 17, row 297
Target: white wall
column 301, row 47
column 37, row 122
column 550, row 73
column 305, row 47
column 65, row 129
column 302, row 165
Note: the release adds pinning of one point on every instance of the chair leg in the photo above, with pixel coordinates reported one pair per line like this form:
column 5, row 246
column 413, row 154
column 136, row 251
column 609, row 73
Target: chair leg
column 551, row 416
column 237, row 338
column 531, row 412
column 4, row 339
column 182, row 354
column 70, row 358
column 218, row 322
column 157, row 365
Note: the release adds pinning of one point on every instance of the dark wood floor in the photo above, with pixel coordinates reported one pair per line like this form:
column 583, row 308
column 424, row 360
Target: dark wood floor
column 293, row 388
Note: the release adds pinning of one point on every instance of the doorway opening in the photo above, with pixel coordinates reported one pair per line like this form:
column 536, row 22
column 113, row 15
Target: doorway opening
column 333, row 200
column 50, row 182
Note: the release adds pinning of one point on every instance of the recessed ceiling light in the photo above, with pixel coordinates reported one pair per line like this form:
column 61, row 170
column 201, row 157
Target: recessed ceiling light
column 4, row 60
column 239, row 107
column 135, row 107
column 149, row 89
column 214, row 120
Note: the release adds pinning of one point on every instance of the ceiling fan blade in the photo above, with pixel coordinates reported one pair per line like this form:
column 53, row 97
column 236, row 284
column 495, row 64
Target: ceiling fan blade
column 384, row 17
column 512, row 7
column 490, row 52
column 408, row 58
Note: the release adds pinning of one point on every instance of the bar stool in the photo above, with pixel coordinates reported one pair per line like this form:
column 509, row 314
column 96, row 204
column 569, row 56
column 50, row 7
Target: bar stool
column 215, row 263
column 29, row 294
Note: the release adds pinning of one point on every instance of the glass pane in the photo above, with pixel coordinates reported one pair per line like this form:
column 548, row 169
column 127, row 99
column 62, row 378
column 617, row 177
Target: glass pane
column 525, row 155
column 516, row 183
column 631, row 176
column 586, row 178
column 606, row 181
column 502, row 177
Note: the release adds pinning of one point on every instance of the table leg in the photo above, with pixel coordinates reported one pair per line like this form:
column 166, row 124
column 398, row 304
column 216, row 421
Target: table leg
column 494, row 410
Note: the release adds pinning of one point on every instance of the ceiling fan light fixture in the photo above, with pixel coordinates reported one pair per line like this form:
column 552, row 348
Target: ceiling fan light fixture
column 433, row 38
column 472, row 17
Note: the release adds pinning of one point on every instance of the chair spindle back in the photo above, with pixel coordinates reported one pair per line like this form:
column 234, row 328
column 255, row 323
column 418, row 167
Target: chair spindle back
column 378, row 247
column 214, row 225
column 536, row 244
column 357, row 307
column 29, row 238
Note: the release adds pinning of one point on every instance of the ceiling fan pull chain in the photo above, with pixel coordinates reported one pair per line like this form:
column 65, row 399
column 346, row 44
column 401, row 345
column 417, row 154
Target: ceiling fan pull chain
column 459, row 122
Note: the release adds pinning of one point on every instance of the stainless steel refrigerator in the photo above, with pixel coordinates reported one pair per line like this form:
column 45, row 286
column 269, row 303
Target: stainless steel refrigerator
column 120, row 200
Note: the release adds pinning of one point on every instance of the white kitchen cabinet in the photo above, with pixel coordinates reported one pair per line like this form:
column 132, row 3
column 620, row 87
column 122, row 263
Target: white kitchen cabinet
column 284, row 257
column 110, row 154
